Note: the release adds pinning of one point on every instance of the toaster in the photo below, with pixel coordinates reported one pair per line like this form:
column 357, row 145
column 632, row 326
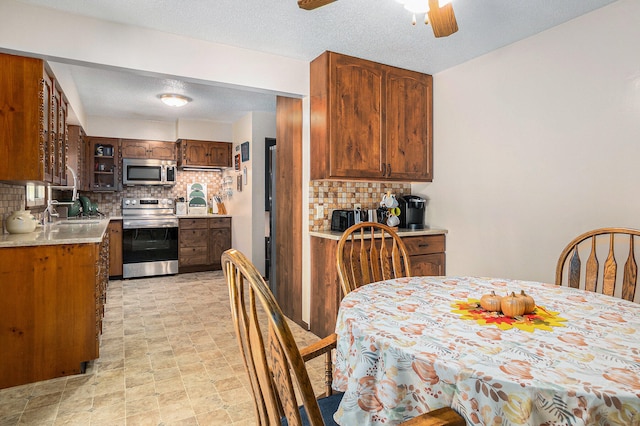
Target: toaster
column 343, row 219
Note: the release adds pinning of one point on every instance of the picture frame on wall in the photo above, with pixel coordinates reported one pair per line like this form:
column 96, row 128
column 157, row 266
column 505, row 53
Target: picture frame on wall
column 244, row 149
column 237, row 162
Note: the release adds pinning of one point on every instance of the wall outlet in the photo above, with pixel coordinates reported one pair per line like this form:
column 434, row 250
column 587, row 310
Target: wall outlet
column 319, row 212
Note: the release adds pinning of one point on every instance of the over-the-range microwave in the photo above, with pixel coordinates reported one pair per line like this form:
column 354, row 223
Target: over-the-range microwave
column 140, row 171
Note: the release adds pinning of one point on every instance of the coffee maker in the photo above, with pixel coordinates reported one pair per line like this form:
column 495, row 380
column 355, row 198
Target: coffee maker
column 412, row 209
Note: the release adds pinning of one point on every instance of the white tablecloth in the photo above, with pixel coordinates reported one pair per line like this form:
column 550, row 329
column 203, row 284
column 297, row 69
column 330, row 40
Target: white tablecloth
column 402, row 351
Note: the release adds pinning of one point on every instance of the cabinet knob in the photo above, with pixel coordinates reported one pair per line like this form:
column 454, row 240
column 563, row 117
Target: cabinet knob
column 389, row 169
column 384, row 169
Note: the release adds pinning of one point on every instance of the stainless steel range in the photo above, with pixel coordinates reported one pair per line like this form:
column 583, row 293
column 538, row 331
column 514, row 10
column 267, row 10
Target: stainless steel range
column 150, row 237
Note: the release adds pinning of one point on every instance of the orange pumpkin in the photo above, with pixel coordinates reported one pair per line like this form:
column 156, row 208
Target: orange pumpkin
column 529, row 303
column 490, row 302
column 512, row 305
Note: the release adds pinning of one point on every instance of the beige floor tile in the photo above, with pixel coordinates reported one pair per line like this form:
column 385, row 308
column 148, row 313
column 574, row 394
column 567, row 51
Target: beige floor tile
column 149, row 418
column 215, row 417
column 168, row 356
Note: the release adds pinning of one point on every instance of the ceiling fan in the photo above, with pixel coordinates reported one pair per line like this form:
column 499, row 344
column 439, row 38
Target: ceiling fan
column 442, row 19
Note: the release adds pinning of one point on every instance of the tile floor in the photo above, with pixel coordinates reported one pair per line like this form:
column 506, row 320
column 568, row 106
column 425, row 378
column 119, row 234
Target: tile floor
column 168, row 356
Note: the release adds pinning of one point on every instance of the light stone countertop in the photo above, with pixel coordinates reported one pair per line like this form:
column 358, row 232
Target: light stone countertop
column 202, row 216
column 80, row 231
column 335, row 235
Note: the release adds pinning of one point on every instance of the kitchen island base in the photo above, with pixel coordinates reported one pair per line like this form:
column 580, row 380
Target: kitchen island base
column 51, row 310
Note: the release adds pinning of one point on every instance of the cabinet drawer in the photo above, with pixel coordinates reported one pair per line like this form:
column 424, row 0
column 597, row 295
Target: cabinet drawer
column 193, row 256
column 193, row 238
column 425, row 244
column 193, row 223
column 221, row 222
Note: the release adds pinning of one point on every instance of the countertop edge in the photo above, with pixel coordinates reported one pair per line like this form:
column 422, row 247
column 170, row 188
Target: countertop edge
column 335, row 235
column 56, row 234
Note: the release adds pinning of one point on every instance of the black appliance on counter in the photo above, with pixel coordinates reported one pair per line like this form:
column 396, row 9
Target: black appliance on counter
column 412, row 208
column 343, row 219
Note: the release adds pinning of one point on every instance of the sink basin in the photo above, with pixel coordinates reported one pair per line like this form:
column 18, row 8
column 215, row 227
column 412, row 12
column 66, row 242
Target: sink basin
column 78, row 222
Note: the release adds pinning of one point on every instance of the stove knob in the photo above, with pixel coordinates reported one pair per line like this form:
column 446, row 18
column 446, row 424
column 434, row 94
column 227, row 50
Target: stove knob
column 170, row 202
column 127, row 202
column 134, row 202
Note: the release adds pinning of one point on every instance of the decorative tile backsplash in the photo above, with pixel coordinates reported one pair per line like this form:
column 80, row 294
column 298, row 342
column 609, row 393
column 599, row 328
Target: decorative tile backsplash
column 12, row 198
column 332, row 195
column 110, row 203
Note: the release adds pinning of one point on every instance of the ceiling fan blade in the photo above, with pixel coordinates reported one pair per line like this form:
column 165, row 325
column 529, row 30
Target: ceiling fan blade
column 442, row 19
column 313, row 4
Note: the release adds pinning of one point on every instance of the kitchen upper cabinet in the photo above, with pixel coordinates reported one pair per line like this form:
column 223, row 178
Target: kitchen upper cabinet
column 34, row 122
column 76, row 153
column 157, row 150
column 102, row 164
column 196, row 153
column 369, row 121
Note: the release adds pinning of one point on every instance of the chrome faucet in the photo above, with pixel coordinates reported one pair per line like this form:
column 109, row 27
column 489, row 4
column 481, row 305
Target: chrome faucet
column 50, row 211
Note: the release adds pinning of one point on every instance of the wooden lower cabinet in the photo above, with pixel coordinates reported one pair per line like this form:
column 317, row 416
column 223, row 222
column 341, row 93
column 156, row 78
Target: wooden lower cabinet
column 115, row 248
column 51, row 309
column 427, row 259
column 202, row 242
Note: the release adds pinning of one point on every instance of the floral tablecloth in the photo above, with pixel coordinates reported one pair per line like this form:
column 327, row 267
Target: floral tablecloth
column 402, row 351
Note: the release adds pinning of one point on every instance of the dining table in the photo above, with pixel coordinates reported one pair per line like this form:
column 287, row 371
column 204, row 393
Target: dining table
column 410, row 345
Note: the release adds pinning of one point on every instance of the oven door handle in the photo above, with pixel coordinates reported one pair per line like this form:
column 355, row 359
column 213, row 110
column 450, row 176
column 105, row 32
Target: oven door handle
column 136, row 224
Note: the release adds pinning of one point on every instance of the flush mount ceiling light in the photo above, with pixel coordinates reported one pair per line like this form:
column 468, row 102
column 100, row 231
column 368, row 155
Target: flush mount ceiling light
column 174, row 100
column 438, row 13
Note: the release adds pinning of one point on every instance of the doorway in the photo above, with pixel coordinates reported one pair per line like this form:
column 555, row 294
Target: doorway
column 269, row 208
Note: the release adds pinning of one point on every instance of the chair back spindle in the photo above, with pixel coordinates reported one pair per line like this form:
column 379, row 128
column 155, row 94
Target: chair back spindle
column 369, row 252
column 276, row 368
column 605, row 281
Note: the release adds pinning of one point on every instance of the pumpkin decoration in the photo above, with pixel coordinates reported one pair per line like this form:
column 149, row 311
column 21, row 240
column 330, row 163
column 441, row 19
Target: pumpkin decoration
column 512, row 305
column 491, row 302
column 529, row 303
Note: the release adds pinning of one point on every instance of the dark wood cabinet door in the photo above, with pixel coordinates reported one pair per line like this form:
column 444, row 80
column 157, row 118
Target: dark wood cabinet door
column 219, row 154
column 134, row 148
column 54, row 139
column 48, row 129
column 195, row 153
column 408, row 149
column 76, row 151
column 162, row 150
column 356, row 126
column 157, row 150
column 115, row 248
column 428, row 264
column 63, row 142
column 219, row 240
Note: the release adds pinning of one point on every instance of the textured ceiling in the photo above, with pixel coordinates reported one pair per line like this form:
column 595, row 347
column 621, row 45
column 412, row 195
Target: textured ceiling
column 378, row 30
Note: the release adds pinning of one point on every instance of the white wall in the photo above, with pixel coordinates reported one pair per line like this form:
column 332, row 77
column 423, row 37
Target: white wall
column 239, row 204
column 536, row 143
column 247, row 207
column 263, row 126
column 204, row 130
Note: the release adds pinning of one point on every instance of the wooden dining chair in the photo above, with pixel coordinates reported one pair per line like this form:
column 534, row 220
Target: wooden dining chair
column 369, row 252
column 275, row 365
column 604, row 280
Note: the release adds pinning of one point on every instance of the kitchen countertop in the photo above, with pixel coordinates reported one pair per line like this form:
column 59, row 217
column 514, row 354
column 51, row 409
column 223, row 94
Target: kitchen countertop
column 79, row 231
column 335, row 235
column 201, row 216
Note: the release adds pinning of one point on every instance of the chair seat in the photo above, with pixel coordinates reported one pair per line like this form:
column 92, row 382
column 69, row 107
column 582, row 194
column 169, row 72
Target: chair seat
column 328, row 407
